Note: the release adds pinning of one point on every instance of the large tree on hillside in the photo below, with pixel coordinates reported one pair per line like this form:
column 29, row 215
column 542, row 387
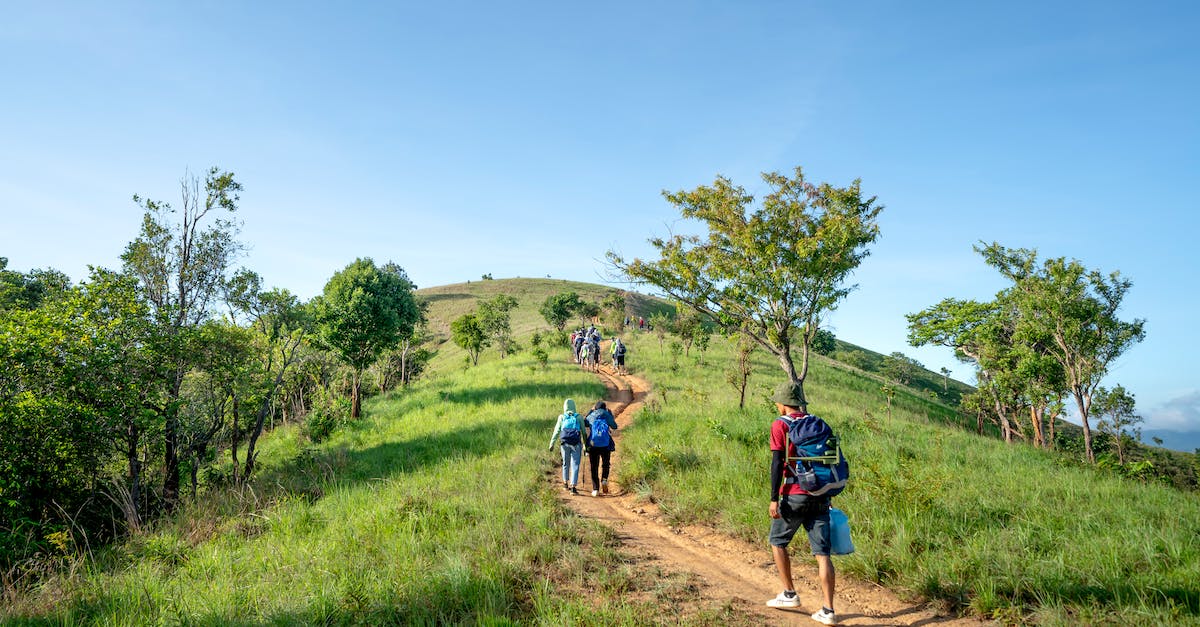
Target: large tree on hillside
column 181, row 269
column 1074, row 311
column 770, row 271
column 364, row 311
column 467, row 332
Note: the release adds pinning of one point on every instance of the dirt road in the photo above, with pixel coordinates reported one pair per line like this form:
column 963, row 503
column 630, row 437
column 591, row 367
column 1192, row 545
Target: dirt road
column 726, row 572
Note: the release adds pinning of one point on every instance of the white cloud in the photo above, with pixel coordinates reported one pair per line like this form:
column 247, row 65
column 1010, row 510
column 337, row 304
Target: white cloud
column 1178, row 414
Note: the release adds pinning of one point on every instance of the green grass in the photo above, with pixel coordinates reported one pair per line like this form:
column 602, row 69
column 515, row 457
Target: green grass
column 999, row 531
column 439, row 508
column 435, row 509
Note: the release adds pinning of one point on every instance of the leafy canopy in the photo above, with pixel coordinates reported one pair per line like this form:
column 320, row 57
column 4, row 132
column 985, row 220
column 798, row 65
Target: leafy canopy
column 770, row 271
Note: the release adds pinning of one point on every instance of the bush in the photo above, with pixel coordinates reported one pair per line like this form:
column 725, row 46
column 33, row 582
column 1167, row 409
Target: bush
column 326, row 417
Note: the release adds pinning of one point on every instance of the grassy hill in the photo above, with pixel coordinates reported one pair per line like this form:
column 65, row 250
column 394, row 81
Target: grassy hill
column 435, row 508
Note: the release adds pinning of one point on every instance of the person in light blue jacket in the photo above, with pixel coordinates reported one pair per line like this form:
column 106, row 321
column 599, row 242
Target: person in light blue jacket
column 568, row 431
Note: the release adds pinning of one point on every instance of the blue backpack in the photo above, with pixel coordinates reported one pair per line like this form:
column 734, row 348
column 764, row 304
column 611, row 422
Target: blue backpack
column 601, row 437
column 819, row 466
column 570, row 432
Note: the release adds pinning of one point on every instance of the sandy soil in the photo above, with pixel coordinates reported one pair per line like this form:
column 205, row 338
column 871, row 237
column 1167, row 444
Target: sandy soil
column 724, row 572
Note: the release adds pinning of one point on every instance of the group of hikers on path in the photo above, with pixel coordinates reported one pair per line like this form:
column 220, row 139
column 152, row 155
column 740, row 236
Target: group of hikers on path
column 798, row 500
column 591, row 434
column 585, row 345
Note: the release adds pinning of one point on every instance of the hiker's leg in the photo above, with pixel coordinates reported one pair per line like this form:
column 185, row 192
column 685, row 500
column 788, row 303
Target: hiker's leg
column 594, row 464
column 783, row 564
column 576, row 450
column 828, row 577
column 565, row 460
column 605, row 457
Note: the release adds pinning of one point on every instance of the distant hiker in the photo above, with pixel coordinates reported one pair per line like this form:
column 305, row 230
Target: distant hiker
column 792, row 508
column 641, row 322
column 577, row 345
column 600, row 424
column 568, row 430
column 618, row 355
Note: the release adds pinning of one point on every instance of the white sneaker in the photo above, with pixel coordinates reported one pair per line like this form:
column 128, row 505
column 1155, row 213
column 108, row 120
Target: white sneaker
column 595, row 493
column 825, row 617
column 783, row 600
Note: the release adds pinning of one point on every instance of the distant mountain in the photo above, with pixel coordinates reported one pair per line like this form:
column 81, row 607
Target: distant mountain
column 1186, row 441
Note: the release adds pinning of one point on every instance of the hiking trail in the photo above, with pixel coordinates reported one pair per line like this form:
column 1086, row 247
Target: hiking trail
column 725, row 572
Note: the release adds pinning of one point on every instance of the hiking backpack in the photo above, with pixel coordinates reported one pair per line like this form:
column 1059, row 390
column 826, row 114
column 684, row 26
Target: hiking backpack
column 620, row 350
column 819, row 467
column 601, row 437
column 570, row 432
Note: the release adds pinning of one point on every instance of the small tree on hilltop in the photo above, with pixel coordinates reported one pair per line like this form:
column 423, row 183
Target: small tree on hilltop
column 468, row 334
column 559, row 308
column 495, row 321
column 771, row 271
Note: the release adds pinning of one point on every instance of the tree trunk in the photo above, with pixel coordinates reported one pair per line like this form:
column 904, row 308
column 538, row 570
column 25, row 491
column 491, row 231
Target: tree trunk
column 263, row 409
column 133, row 516
column 236, row 439
column 1082, row 402
column 355, row 395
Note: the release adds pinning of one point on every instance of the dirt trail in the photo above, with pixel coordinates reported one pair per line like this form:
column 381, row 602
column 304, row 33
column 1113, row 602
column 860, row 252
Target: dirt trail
column 727, row 572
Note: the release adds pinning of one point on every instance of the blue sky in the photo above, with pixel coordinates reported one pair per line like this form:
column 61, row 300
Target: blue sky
column 526, row 139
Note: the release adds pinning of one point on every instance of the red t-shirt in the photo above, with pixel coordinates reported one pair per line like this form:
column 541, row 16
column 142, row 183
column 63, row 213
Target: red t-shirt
column 778, row 437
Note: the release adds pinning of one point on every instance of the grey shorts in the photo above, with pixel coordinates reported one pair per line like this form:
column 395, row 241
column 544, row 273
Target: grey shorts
column 801, row 510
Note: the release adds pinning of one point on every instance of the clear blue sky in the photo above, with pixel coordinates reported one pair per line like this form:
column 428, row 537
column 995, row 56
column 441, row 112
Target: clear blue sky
column 526, row 139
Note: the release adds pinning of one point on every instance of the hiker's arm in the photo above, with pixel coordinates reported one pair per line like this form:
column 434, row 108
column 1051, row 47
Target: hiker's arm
column 554, row 433
column 777, row 464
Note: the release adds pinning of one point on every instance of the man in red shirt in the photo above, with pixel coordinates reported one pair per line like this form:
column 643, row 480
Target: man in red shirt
column 793, row 508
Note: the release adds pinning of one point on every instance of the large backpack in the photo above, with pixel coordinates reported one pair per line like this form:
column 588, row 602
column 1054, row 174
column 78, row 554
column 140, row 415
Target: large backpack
column 570, row 431
column 601, row 437
column 621, row 351
column 819, row 467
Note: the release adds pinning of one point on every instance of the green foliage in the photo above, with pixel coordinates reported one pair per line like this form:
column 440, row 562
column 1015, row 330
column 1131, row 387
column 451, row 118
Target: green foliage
column 363, row 311
column 495, row 322
column 559, row 308
column 769, row 271
column 469, row 335
column 824, row 342
column 901, row 368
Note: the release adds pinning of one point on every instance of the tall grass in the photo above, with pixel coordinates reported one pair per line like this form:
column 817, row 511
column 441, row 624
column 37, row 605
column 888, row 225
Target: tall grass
column 938, row 513
column 435, row 509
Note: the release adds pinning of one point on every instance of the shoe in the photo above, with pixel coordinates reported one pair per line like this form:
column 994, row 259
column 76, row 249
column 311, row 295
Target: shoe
column 565, row 486
column 825, row 617
column 595, row 493
column 783, row 600
column 574, row 491
column 604, row 487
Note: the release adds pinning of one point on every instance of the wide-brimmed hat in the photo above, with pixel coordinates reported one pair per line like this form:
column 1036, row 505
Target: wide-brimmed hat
column 790, row 393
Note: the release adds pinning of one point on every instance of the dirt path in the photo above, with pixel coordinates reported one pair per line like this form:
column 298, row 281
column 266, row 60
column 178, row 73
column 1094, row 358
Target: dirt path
column 726, row 572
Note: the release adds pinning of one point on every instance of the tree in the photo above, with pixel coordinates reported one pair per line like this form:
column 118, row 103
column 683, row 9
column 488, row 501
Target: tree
column 494, row 319
column 280, row 323
column 739, row 376
column 363, row 311
column 824, row 342
column 612, row 308
column 468, row 334
column 901, row 368
column 559, row 308
column 770, row 272
column 945, row 379
column 1075, row 310
column 181, row 269
column 688, row 327
column 1115, row 410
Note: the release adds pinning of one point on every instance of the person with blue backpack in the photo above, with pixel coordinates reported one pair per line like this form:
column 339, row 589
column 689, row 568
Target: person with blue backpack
column 568, row 430
column 599, row 425
column 807, row 470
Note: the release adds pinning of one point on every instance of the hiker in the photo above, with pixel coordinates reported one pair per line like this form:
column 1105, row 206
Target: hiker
column 600, row 424
column 617, row 351
column 792, row 508
column 568, row 430
column 577, row 345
